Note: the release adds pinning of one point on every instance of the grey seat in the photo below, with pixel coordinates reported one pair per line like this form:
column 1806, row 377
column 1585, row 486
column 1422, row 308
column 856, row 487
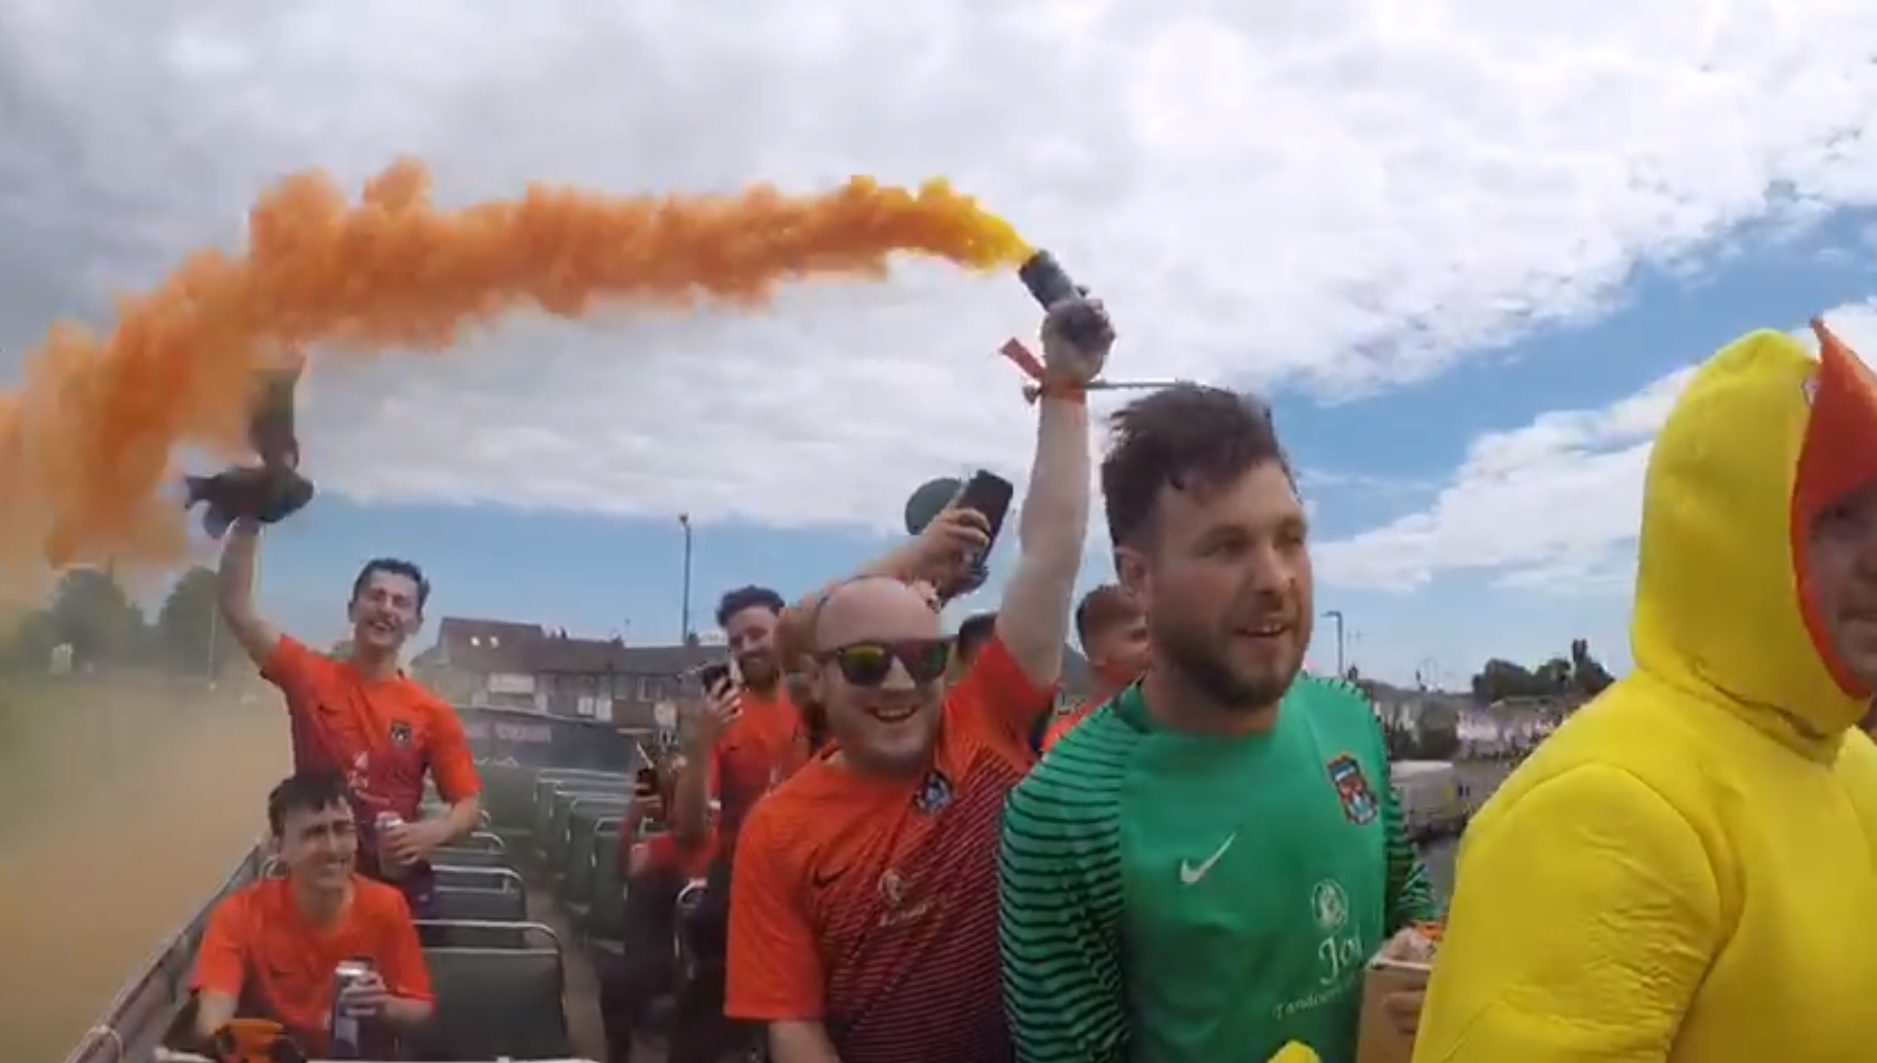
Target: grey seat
column 485, row 840
column 549, row 780
column 576, row 871
column 495, row 1003
column 456, row 876
column 467, row 934
column 456, row 856
column 481, row 905
column 508, row 796
column 554, row 843
column 552, row 796
column 605, row 922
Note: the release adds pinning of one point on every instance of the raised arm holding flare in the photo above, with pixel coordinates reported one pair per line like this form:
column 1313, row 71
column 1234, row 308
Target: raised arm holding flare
column 864, row 925
column 362, row 716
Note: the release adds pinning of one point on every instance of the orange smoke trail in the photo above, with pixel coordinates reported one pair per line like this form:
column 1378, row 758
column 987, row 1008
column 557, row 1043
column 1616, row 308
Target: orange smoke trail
column 86, row 443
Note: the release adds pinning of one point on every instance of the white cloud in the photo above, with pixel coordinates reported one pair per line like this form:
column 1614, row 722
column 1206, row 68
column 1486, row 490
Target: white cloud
column 1554, row 506
column 1332, row 193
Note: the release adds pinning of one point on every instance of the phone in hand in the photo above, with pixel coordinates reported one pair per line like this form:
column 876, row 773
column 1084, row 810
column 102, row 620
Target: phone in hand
column 714, row 676
column 990, row 495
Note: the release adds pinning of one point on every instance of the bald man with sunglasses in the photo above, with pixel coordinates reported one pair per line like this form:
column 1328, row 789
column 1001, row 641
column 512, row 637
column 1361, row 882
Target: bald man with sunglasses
column 863, row 920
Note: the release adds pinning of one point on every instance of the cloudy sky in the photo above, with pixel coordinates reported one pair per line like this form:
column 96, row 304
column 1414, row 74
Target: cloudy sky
column 1467, row 249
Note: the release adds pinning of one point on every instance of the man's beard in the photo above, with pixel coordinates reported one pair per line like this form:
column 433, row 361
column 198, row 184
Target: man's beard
column 759, row 671
column 1205, row 669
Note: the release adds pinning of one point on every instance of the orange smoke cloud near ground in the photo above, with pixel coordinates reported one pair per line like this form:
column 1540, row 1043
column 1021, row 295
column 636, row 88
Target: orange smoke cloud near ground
column 86, row 443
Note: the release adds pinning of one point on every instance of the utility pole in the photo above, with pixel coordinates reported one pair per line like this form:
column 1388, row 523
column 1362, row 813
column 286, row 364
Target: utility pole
column 684, row 618
column 1342, row 667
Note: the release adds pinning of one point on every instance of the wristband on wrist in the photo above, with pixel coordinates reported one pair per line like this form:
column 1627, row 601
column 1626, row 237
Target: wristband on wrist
column 1041, row 387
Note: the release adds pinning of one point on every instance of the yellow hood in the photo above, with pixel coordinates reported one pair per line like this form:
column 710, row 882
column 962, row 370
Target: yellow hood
column 1754, row 449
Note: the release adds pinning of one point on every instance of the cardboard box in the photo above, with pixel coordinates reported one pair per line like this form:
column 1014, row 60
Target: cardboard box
column 1377, row 1038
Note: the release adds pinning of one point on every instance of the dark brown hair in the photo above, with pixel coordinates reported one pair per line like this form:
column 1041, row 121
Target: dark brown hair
column 973, row 633
column 1188, row 437
column 393, row 566
column 306, row 791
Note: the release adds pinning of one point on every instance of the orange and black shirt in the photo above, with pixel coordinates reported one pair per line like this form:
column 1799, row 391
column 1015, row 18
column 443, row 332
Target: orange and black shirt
column 1065, row 722
column 665, row 855
column 383, row 735
column 764, row 745
column 260, row 950
column 871, row 904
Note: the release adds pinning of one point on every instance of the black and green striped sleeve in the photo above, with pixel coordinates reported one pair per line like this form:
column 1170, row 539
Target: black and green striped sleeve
column 1059, row 904
column 1410, row 894
column 1410, row 897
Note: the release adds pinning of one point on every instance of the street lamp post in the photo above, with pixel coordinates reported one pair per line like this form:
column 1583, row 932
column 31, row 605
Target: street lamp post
column 684, row 619
column 1342, row 668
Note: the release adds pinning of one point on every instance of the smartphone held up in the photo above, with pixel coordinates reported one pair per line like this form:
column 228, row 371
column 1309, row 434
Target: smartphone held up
column 988, row 495
column 713, row 677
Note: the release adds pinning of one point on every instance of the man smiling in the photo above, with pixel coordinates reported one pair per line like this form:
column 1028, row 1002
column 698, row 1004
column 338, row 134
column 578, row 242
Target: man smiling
column 1200, row 869
column 270, row 948
column 863, row 925
column 362, row 717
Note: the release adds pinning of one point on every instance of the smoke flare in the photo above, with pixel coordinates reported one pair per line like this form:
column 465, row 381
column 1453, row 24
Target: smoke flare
column 86, row 442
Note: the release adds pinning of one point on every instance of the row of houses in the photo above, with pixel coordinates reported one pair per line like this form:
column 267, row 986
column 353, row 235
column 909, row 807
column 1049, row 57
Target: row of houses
column 501, row 664
column 1508, row 727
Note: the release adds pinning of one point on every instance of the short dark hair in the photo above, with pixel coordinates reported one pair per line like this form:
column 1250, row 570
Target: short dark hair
column 305, row 791
column 1105, row 605
column 973, row 633
column 751, row 597
column 393, row 566
column 1189, row 437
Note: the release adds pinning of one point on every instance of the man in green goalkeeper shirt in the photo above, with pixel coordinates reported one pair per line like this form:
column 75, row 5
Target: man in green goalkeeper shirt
column 1199, row 872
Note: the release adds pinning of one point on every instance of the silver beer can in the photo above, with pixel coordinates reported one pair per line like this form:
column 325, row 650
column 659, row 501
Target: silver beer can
column 384, row 823
column 346, row 975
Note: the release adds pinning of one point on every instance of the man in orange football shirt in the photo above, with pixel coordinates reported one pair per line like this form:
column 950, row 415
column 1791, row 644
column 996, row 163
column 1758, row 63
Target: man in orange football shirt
column 1113, row 632
column 748, row 737
column 271, row 947
column 655, row 869
column 364, row 718
column 863, row 924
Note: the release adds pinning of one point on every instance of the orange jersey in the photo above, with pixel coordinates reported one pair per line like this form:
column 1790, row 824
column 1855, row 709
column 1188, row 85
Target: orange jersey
column 664, row 855
column 764, row 745
column 871, row 904
column 1066, row 722
column 382, row 734
column 260, row 950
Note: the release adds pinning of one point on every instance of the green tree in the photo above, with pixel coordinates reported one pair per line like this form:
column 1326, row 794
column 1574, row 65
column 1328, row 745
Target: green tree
column 1578, row 673
column 26, row 642
column 1499, row 679
column 1588, row 675
column 92, row 613
column 187, row 623
column 1551, row 677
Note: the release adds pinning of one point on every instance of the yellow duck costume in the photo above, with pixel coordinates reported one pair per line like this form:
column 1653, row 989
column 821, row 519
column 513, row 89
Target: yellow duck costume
column 1686, row 872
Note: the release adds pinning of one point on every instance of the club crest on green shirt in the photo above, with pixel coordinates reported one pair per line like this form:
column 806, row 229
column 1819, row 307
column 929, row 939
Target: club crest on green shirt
column 1329, row 905
column 1352, row 789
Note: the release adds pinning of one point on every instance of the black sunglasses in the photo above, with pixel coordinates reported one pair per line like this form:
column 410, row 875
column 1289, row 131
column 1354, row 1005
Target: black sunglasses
column 867, row 664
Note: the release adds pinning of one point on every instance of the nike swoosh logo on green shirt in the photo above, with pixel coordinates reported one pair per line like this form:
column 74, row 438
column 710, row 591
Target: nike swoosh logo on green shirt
column 1190, row 874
